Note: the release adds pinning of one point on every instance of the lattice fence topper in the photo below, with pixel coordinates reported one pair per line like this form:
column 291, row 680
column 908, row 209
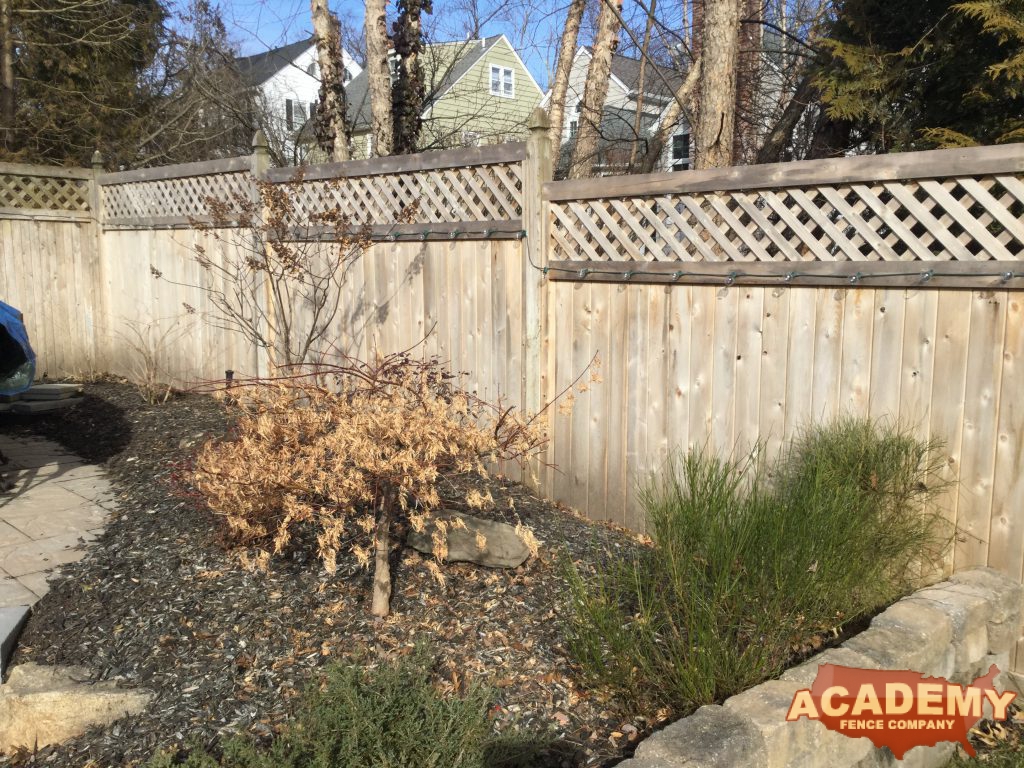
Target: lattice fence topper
column 961, row 219
column 182, row 197
column 472, row 193
column 47, row 193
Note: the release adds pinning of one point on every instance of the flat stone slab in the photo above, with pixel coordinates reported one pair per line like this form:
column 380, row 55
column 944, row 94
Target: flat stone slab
column 57, row 505
column 51, row 391
column 28, row 407
column 47, row 705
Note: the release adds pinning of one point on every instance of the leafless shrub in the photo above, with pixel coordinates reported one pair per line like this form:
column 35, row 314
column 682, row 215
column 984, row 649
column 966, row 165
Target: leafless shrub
column 149, row 344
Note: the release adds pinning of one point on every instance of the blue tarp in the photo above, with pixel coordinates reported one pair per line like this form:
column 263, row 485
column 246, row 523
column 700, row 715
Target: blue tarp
column 17, row 360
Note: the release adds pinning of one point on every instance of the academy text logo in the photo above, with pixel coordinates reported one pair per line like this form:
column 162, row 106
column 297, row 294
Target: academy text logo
column 898, row 709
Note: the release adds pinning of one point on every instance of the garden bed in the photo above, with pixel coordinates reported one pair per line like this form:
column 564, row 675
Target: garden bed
column 158, row 603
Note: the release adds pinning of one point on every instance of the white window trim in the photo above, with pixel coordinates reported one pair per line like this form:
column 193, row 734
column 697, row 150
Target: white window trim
column 501, row 81
column 673, row 162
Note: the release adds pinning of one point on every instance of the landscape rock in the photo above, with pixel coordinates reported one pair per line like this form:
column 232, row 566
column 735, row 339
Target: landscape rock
column 42, row 705
column 504, row 549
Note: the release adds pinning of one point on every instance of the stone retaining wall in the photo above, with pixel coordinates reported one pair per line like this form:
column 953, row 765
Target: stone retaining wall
column 955, row 629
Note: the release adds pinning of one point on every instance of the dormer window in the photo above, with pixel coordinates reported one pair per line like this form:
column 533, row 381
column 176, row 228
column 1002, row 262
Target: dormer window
column 311, row 69
column 503, row 82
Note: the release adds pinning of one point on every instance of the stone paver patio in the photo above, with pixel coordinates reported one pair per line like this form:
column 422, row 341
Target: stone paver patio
column 57, row 501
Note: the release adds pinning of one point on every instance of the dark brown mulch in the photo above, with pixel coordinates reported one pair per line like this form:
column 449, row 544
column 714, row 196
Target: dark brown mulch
column 158, row 604
column 999, row 744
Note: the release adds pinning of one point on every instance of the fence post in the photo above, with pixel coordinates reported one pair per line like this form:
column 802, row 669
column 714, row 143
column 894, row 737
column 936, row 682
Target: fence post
column 260, row 155
column 260, row 164
column 101, row 320
column 537, row 169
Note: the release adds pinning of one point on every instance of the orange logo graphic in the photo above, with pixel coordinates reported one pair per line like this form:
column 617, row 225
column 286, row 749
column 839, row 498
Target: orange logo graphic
column 898, row 709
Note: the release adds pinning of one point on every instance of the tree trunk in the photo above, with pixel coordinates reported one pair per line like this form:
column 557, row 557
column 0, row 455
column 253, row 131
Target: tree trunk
column 381, row 603
column 670, row 118
column 782, row 132
column 6, row 69
column 641, row 77
column 560, row 83
column 748, row 76
column 378, row 74
column 584, row 154
column 408, row 90
column 333, row 120
column 716, row 121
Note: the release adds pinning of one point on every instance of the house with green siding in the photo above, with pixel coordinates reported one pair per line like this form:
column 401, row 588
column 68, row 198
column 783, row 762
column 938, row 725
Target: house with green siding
column 477, row 92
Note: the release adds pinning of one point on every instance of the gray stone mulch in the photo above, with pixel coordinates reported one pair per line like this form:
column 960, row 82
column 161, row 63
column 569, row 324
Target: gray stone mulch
column 158, row 603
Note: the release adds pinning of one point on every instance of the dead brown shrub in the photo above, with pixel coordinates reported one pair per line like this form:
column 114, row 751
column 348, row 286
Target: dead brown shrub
column 353, row 451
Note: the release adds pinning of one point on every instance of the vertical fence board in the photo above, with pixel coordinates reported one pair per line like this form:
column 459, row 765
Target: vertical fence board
column 774, row 367
column 747, row 382
column 981, row 406
column 886, row 354
column 800, row 367
column 828, row 353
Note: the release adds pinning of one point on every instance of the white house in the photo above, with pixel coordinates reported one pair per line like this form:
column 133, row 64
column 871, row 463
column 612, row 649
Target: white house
column 618, row 120
column 287, row 81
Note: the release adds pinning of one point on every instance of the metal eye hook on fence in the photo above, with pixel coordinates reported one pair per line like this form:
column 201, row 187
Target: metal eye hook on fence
column 855, row 278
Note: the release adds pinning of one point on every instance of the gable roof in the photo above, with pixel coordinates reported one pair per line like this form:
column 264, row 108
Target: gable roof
column 357, row 90
column 627, row 71
column 260, row 67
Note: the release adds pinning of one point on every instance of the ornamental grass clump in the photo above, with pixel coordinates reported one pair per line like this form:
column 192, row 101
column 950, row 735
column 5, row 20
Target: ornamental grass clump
column 354, row 453
column 753, row 564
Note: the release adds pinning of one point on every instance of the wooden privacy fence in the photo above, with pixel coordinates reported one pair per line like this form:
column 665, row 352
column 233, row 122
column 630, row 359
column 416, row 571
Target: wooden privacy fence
column 725, row 307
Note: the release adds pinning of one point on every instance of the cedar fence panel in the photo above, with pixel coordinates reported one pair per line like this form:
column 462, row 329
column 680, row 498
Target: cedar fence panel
column 726, row 307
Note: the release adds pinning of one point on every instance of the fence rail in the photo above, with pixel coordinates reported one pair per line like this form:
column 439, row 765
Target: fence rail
column 725, row 307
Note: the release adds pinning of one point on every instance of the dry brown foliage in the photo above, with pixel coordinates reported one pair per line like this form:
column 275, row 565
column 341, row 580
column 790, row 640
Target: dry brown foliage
column 355, row 452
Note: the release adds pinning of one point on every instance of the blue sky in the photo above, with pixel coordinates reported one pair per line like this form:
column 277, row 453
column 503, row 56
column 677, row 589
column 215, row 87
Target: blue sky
column 259, row 24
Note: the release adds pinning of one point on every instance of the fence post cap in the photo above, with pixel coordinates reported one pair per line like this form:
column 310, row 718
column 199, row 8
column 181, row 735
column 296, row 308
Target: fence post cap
column 259, row 140
column 538, row 120
column 97, row 160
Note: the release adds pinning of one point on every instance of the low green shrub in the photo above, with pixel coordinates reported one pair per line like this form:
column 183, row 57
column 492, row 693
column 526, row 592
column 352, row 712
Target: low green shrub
column 751, row 562
column 389, row 717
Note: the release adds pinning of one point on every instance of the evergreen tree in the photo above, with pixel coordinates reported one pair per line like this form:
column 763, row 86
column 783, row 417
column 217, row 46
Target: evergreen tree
column 924, row 73
column 77, row 75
